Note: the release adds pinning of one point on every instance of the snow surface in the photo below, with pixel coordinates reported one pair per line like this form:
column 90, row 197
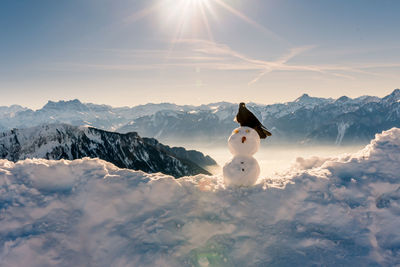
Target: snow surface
column 342, row 127
column 332, row 212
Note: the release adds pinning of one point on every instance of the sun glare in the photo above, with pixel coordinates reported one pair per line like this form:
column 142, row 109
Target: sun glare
column 191, row 19
column 187, row 17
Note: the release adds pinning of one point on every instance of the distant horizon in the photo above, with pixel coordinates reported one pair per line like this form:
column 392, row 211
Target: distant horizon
column 188, row 104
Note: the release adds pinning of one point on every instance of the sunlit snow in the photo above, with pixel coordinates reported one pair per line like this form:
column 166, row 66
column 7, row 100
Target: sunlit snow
column 331, row 212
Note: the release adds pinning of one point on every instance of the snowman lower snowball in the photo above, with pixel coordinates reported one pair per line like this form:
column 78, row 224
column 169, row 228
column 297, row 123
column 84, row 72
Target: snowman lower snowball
column 242, row 169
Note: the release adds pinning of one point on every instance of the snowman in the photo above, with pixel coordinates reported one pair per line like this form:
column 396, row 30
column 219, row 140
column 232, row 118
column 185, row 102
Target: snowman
column 242, row 169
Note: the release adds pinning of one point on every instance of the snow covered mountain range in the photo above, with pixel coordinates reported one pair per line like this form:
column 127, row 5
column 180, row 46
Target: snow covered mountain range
column 339, row 211
column 62, row 141
column 304, row 120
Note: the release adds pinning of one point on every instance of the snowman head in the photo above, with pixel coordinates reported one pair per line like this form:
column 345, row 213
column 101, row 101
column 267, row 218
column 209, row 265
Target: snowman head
column 244, row 141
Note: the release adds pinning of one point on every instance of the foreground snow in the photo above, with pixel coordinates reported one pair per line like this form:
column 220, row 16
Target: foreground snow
column 334, row 212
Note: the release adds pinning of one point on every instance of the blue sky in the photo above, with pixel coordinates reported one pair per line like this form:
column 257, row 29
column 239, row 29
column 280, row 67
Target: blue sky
column 196, row 51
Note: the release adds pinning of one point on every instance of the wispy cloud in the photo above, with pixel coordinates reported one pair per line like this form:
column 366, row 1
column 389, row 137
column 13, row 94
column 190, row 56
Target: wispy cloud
column 206, row 54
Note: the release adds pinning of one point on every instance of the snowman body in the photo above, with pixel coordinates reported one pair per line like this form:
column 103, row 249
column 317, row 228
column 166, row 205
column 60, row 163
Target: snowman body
column 243, row 168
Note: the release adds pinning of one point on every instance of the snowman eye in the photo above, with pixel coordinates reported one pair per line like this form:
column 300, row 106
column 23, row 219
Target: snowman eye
column 236, row 131
column 247, row 131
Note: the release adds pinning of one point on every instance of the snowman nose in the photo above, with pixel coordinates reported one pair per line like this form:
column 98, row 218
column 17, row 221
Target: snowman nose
column 243, row 139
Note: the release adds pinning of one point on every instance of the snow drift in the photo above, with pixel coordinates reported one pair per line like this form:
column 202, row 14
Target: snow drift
column 87, row 212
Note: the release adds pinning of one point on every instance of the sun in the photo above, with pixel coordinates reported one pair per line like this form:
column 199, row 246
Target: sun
column 188, row 17
column 191, row 18
column 196, row 1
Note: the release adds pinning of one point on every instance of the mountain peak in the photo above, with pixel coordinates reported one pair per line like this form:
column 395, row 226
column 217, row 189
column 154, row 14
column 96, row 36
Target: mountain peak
column 393, row 97
column 69, row 104
column 303, row 98
column 396, row 92
column 342, row 99
column 307, row 99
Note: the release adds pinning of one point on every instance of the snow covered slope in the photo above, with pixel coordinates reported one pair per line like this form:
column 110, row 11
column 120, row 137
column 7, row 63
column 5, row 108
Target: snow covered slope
column 340, row 211
column 62, row 141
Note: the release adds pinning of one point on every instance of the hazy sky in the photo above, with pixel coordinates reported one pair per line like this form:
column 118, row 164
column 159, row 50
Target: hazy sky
column 196, row 51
